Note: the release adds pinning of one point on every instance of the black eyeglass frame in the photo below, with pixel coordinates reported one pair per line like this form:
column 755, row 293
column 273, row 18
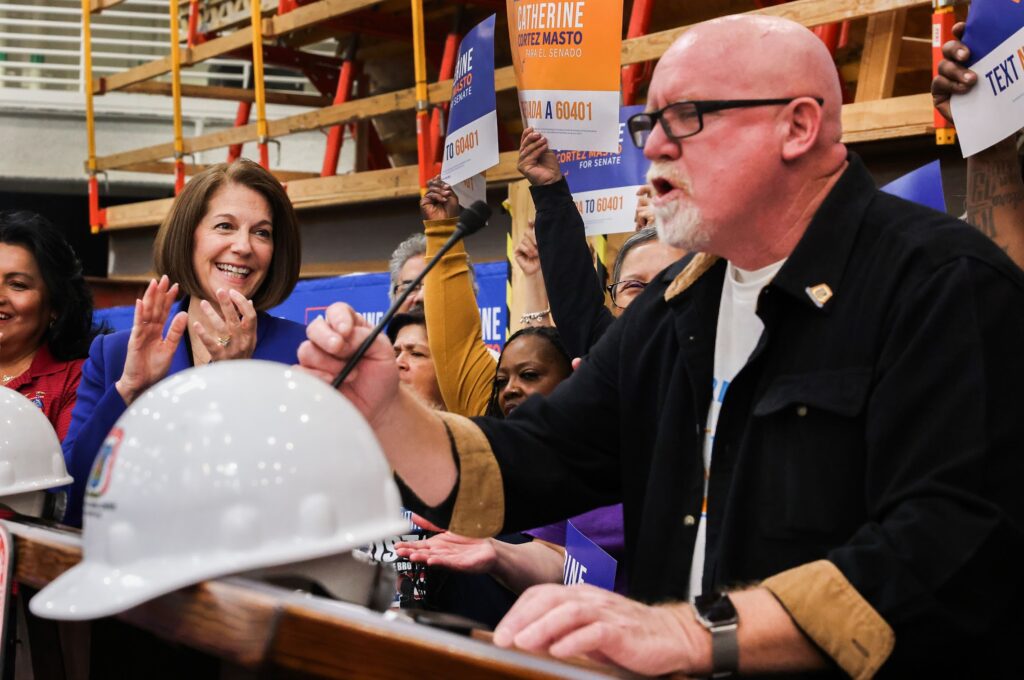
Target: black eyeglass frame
column 700, row 108
column 399, row 287
column 612, row 292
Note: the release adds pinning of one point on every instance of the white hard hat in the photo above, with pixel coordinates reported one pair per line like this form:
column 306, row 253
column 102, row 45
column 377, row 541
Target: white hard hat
column 30, row 455
column 221, row 469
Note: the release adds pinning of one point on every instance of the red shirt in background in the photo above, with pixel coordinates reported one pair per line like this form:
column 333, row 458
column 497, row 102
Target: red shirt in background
column 52, row 386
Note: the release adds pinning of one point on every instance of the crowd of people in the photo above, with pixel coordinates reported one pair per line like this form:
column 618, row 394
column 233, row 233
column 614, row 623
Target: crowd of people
column 793, row 427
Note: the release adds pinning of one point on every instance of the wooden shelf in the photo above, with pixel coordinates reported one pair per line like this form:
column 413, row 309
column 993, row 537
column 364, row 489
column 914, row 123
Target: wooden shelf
column 259, row 626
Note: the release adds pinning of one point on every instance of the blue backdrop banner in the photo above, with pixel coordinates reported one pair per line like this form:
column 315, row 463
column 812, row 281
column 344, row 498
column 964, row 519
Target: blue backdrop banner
column 368, row 295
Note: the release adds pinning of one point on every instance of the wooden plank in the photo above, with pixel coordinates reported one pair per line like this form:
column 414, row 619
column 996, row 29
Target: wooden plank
column 116, row 81
column 141, row 214
column 195, row 169
column 359, row 187
column 880, row 56
column 220, row 618
column 40, row 561
column 888, row 118
column 149, row 153
column 255, row 625
column 274, row 27
column 100, row 5
column 314, row 643
column 806, row 12
column 218, row 46
column 231, row 93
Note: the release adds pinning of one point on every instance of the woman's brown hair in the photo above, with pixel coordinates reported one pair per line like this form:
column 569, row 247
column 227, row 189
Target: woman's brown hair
column 172, row 250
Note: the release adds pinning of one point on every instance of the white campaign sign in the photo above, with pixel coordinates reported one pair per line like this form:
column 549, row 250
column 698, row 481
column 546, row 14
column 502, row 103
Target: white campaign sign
column 471, row 149
column 994, row 109
column 608, row 211
column 574, row 119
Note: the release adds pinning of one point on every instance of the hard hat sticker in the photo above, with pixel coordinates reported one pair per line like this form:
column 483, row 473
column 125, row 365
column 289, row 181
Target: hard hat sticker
column 103, row 466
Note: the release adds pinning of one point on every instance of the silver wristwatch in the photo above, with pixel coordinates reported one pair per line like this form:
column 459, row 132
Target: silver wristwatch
column 716, row 613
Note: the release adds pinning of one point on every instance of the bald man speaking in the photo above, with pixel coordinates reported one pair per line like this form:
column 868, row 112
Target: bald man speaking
column 811, row 426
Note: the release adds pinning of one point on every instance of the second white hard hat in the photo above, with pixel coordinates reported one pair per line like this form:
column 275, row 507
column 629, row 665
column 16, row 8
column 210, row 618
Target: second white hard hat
column 222, row 469
column 30, row 455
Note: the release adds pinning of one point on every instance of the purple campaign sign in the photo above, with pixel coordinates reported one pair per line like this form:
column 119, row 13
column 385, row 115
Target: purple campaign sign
column 923, row 186
column 989, row 24
column 473, row 87
column 593, row 170
column 586, row 562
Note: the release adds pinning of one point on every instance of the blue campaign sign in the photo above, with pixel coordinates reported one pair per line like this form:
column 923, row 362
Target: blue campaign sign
column 923, row 186
column 473, row 86
column 989, row 24
column 471, row 145
column 604, row 185
column 368, row 295
column 593, row 170
column 586, row 562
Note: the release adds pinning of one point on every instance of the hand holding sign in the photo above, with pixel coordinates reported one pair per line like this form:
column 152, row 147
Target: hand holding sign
column 954, row 77
column 439, row 202
column 537, row 162
column 994, row 38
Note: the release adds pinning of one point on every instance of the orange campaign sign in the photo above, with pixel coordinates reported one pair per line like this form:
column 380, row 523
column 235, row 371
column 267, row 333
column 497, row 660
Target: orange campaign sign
column 565, row 54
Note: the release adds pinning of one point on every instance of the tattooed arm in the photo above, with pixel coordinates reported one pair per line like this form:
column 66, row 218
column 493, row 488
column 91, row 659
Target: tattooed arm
column 995, row 190
column 995, row 197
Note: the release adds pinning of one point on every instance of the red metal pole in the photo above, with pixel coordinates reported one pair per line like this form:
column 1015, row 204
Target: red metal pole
column 179, row 176
column 193, row 21
column 241, row 118
column 97, row 215
column 336, row 134
column 943, row 19
column 639, row 21
column 451, row 51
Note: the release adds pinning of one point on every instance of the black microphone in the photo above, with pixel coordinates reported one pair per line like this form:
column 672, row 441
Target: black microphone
column 472, row 220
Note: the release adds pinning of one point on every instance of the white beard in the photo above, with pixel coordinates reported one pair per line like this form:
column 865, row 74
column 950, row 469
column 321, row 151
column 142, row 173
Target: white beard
column 681, row 225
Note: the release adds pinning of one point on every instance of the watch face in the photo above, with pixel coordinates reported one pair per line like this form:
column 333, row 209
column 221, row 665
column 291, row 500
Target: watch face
column 715, row 608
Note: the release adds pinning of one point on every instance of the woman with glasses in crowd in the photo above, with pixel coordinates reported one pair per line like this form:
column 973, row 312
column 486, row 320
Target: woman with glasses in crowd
column 227, row 251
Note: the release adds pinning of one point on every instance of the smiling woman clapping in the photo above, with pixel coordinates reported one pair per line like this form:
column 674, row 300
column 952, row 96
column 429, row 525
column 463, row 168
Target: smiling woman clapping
column 227, row 250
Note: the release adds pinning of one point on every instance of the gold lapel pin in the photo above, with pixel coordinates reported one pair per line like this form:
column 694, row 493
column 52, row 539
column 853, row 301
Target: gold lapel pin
column 819, row 294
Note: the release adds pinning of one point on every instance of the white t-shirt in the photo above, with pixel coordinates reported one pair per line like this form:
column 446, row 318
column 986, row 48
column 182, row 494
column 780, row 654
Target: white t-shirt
column 739, row 329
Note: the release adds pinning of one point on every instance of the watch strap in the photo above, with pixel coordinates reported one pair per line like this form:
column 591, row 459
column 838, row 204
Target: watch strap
column 725, row 651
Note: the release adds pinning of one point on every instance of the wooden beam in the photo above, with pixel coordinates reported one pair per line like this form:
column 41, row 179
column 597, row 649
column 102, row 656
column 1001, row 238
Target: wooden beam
column 634, row 50
column 358, row 187
column 160, row 168
column 888, row 118
column 259, row 626
column 881, row 55
column 100, row 5
column 141, row 214
column 806, row 12
column 230, row 93
column 274, row 27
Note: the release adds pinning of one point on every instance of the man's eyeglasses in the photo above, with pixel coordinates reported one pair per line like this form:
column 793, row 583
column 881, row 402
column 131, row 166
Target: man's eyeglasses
column 685, row 119
column 623, row 292
column 403, row 286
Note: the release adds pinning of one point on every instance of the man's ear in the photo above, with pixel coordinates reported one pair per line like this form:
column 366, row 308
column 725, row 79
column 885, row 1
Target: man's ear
column 802, row 120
